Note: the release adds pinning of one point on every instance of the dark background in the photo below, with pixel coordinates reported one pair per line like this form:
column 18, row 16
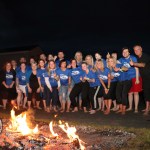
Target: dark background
column 88, row 26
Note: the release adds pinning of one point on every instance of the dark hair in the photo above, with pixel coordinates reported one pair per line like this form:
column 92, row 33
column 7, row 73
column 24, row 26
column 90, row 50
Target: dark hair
column 62, row 61
column 125, row 48
column 137, row 45
column 73, row 59
column 84, row 62
column 22, row 63
column 41, row 60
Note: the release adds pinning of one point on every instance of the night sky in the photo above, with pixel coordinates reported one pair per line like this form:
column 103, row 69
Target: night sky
column 88, row 26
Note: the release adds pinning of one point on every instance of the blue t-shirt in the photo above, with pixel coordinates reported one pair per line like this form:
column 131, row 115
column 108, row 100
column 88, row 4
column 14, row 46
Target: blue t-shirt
column 76, row 73
column 23, row 77
column 40, row 74
column 9, row 78
column 52, row 80
column 103, row 74
column 64, row 76
column 131, row 73
column 91, row 75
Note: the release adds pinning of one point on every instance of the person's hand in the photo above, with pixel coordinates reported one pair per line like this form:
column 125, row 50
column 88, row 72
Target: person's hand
column 7, row 86
column 42, row 89
column 29, row 90
column 131, row 62
column 38, row 90
column 108, row 55
column 11, row 86
column 124, row 68
column 137, row 81
column 51, row 89
column 106, row 91
column 55, row 57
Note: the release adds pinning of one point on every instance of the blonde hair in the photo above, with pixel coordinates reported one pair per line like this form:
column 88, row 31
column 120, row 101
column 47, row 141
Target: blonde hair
column 78, row 52
column 100, row 61
column 114, row 60
column 48, row 69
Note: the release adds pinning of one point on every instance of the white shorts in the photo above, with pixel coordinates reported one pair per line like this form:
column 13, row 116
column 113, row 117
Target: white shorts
column 23, row 89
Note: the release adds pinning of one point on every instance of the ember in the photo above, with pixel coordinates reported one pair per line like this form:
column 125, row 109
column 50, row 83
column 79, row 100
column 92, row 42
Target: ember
column 16, row 135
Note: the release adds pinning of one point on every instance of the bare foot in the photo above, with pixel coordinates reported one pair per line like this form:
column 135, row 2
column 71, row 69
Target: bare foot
column 62, row 111
column 129, row 109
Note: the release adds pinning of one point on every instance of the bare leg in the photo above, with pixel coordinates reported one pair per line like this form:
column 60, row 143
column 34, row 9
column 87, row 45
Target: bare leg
column 44, row 104
column 29, row 104
column 38, row 105
column 136, row 101
column 25, row 101
column 63, row 106
column 130, row 97
column 68, row 105
column 19, row 99
column 33, row 101
column 4, row 103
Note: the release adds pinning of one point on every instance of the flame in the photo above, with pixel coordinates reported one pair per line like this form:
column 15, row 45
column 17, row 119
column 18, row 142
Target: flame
column 19, row 124
column 51, row 129
column 71, row 133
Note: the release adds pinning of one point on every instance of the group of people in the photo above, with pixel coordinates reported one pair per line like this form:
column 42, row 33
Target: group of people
column 91, row 85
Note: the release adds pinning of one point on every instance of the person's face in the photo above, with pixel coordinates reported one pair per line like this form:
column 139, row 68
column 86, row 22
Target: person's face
column 43, row 57
column 114, row 55
column 22, row 60
column 73, row 64
column 97, row 56
column 41, row 63
column 23, row 66
column 32, row 61
column 52, row 65
column 13, row 63
column 99, row 65
column 50, row 57
column 34, row 66
column 84, row 67
column 8, row 66
column 138, row 50
column 60, row 55
column 88, row 60
column 78, row 56
column 63, row 65
column 125, row 53
column 111, row 62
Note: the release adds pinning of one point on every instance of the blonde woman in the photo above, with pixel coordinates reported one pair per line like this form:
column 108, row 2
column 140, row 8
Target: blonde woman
column 104, row 77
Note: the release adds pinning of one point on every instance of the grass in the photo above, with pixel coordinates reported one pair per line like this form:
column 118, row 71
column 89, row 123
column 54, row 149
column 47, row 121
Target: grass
column 140, row 142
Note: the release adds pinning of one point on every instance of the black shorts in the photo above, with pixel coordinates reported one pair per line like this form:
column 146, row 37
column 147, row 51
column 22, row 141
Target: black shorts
column 112, row 90
column 34, row 95
column 9, row 93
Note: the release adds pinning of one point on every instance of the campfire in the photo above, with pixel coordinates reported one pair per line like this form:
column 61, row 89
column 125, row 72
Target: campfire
column 21, row 136
column 21, row 132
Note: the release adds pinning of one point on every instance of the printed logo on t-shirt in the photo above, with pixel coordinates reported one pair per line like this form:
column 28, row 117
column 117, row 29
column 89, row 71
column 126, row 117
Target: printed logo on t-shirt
column 9, row 76
column 75, row 73
column 103, row 77
column 23, row 77
column 115, row 74
column 63, row 77
column 126, row 65
column 43, row 74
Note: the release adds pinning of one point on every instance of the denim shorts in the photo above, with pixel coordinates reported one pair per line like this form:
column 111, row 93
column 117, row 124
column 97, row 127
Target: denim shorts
column 63, row 91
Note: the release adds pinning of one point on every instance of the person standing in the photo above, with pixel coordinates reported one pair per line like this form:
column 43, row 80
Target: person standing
column 8, row 90
column 143, row 63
